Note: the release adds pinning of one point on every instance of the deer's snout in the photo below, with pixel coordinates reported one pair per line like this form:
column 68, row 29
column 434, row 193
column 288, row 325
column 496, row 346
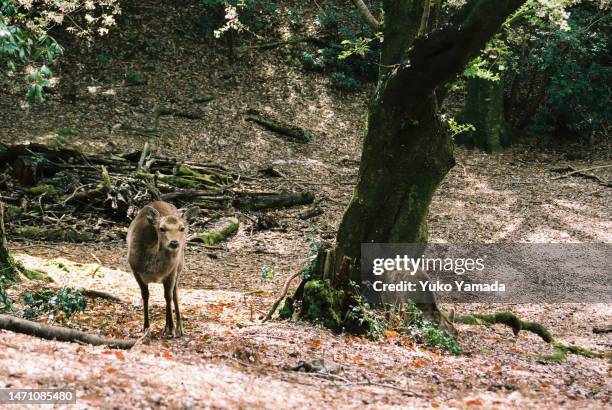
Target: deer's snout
column 174, row 244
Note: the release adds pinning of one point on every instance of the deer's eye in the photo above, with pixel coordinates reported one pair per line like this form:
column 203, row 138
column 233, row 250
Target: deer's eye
column 182, row 229
column 162, row 229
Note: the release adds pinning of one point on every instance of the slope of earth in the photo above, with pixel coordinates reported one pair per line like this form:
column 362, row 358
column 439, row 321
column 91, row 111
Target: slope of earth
column 229, row 359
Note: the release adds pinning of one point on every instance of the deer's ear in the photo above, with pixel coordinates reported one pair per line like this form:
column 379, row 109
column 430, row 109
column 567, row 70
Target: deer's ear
column 152, row 215
column 190, row 213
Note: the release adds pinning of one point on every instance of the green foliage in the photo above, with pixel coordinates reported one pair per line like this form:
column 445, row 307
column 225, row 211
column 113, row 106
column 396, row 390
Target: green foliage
column 37, row 79
column 458, row 128
column 221, row 16
column 343, row 82
column 576, row 99
column 313, row 251
column 6, row 304
column 481, row 68
column 322, row 304
column 409, row 319
column 361, row 319
column 352, row 53
column 554, row 59
column 267, row 273
column 63, row 303
column 133, row 77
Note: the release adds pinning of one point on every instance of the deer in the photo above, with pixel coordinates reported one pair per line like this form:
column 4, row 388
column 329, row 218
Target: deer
column 156, row 242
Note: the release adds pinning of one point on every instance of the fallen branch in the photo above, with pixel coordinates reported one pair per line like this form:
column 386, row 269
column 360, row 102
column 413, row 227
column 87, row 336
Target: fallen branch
column 282, row 296
column 100, row 294
column 514, row 322
column 583, row 173
column 290, row 131
column 257, row 201
column 61, row 334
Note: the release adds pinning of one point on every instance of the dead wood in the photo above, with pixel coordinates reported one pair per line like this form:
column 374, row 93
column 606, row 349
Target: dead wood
column 101, row 295
column 289, row 131
column 61, row 334
column 258, row 201
column 583, row 173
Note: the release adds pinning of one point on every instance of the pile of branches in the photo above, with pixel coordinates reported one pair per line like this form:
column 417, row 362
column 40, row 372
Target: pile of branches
column 66, row 195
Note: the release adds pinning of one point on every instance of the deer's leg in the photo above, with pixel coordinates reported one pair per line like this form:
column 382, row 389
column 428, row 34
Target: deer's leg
column 179, row 321
column 168, row 293
column 144, row 292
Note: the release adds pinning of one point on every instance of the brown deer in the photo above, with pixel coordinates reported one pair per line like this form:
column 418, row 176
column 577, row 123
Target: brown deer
column 156, row 253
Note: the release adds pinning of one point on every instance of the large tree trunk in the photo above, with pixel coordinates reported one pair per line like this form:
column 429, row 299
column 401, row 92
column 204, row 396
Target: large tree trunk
column 406, row 152
column 8, row 267
column 484, row 108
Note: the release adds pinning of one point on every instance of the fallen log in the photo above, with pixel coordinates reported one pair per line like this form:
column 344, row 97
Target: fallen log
column 289, row 131
column 61, row 334
column 258, row 201
column 220, row 231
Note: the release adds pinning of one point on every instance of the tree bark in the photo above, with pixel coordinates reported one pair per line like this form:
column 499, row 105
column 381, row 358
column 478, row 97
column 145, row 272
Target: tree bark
column 8, row 266
column 367, row 15
column 484, row 108
column 406, row 150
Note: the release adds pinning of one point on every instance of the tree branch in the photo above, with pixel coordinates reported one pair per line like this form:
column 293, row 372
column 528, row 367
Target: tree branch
column 425, row 17
column 438, row 57
column 367, row 16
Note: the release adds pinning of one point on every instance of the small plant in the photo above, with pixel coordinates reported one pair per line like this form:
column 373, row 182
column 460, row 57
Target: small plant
column 6, row 304
column 134, row 77
column 61, row 304
column 344, row 82
column 103, row 58
column 409, row 319
column 457, row 128
column 38, row 79
column 267, row 273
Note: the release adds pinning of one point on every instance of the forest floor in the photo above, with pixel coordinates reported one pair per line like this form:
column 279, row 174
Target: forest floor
column 228, row 358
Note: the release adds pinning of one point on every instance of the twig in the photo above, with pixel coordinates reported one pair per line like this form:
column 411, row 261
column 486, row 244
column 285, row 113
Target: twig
column 281, row 297
column 102, row 295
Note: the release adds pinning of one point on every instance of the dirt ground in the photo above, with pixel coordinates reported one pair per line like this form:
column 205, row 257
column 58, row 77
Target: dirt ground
column 228, row 358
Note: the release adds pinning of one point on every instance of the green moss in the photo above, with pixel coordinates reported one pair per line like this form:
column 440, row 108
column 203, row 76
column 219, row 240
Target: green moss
column 228, row 227
column 506, row 318
column 36, row 275
column 287, row 309
column 12, row 211
column 178, row 182
column 556, row 358
column 538, row 329
column 575, row 350
column 43, row 189
column 67, row 132
column 184, row 170
column 322, row 304
column 57, row 234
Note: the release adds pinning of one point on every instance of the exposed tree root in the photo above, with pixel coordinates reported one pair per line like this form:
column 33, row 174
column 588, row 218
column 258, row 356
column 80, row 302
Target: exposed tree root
column 514, row 322
column 61, row 334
